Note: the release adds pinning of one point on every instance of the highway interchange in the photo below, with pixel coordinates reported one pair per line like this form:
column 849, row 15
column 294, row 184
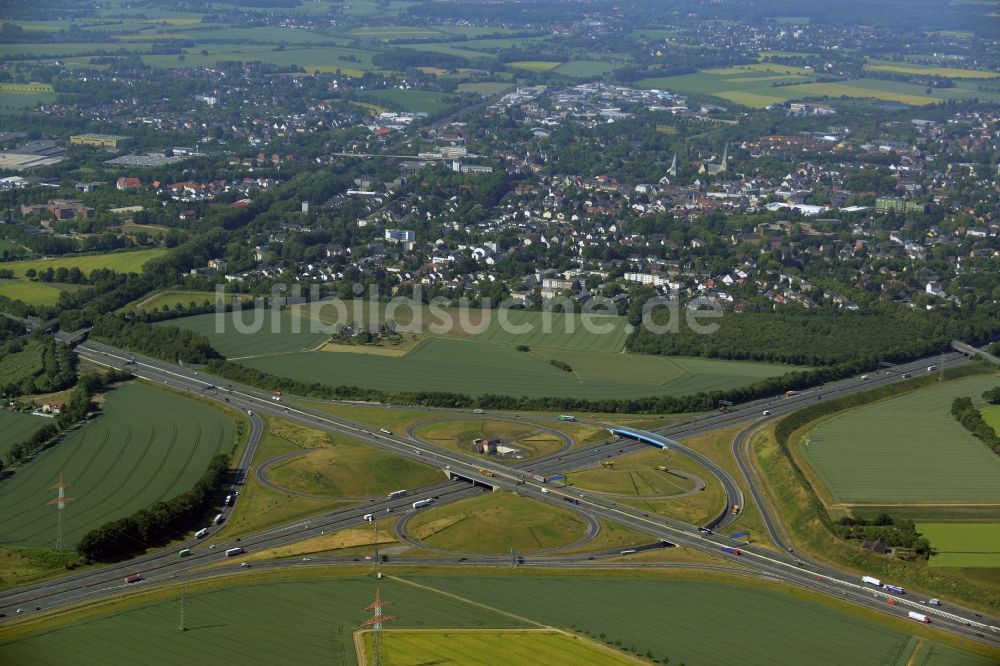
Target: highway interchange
column 781, row 565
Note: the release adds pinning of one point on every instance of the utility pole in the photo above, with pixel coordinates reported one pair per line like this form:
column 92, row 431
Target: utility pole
column 60, row 503
column 375, row 624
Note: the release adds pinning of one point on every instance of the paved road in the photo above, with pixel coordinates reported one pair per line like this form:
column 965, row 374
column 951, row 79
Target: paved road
column 783, row 566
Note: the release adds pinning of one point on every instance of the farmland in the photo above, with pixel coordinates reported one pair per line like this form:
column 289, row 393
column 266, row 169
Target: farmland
column 493, row 523
column 460, row 360
column 122, row 262
column 16, row 427
column 931, row 457
column 964, row 545
column 910, row 68
column 752, row 85
column 476, row 368
column 316, row 616
column 492, row 648
column 146, row 445
column 416, row 101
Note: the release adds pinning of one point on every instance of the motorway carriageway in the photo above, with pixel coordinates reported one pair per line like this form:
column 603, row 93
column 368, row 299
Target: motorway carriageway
column 779, row 565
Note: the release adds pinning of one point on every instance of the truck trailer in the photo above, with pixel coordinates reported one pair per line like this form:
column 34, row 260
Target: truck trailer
column 423, row 502
column 919, row 617
column 871, row 581
column 731, row 551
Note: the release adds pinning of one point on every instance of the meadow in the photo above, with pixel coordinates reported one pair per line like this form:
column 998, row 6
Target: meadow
column 145, row 445
column 493, row 523
column 315, row 617
column 34, row 293
column 907, row 449
column 975, row 545
column 17, row 427
column 122, row 262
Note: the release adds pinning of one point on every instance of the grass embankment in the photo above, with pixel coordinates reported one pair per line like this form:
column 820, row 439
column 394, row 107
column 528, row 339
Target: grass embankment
column 261, row 507
column 638, row 475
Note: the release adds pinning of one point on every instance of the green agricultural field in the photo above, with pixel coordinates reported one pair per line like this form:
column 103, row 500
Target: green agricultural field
column 557, row 331
column 476, row 368
column 991, row 414
column 253, row 332
column 123, row 262
column 907, row 449
column 485, row 647
column 964, row 545
column 751, row 85
column 316, row 616
column 16, row 427
column 146, row 445
column 415, row 101
column 33, row 293
column 910, row 68
column 458, row 435
column 349, row 469
column 534, row 65
column 395, row 32
column 585, row 69
column 493, row 523
column 458, row 359
column 486, row 89
column 11, row 102
column 669, row 619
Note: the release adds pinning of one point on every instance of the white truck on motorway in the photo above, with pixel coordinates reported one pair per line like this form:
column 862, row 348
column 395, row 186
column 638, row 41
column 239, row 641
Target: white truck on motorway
column 202, row 533
column 871, row 581
column 423, row 502
column 919, row 617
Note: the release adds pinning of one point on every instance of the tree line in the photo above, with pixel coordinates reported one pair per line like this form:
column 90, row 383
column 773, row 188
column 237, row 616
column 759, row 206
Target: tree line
column 972, row 420
column 902, row 534
column 127, row 537
column 820, row 336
